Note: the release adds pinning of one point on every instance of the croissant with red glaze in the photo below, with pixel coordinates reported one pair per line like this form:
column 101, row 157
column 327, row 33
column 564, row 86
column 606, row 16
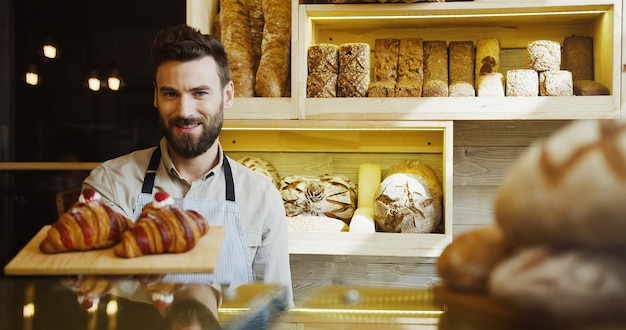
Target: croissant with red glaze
column 87, row 225
column 162, row 228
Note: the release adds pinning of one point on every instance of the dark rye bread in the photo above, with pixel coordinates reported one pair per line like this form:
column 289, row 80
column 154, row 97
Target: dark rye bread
column 569, row 189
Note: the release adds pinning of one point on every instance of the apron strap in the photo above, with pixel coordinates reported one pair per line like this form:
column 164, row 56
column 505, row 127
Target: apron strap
column 148, row 182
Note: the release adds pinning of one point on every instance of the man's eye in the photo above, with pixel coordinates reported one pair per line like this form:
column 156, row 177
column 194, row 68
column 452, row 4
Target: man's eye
column 169, row 94
column 201, row 93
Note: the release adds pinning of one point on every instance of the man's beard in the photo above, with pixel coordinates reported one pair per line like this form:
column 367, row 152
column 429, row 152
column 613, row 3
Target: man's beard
column 187, row 145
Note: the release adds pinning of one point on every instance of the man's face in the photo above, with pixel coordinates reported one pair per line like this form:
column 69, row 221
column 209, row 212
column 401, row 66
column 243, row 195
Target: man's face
column 191, row 104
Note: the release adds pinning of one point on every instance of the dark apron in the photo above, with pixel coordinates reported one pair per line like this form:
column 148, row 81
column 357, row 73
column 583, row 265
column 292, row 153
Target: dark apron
column 233, row 265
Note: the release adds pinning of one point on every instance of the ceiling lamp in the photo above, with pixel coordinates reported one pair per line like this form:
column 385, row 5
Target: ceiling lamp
column 49, row 50
column 32, row 77
column 93, row 82
column 114, row 81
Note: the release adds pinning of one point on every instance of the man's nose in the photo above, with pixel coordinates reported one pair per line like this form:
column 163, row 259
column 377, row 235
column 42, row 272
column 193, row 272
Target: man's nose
column 186, row 106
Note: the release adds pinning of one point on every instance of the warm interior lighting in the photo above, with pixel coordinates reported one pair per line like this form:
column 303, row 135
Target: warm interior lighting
column 114, row 83
column 479, row 15
column 32, row 78
column 49, row 51
column 28, row 311
column 112, row 307
column 93, row 82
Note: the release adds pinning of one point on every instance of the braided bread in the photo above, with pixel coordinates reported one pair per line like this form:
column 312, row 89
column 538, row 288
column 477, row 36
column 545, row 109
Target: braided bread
column 162, row 228
column 87, row 225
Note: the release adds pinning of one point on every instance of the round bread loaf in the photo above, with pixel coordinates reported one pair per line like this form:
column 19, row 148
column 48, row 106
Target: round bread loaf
column 465, row 264
column 572, row 284
column 569, row 189
column 409, row 199
column 263, row 167
column 325, row 195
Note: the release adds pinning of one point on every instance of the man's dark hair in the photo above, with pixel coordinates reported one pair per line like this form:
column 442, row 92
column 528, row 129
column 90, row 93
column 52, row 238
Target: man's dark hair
column 182, row 43
column 189, row 312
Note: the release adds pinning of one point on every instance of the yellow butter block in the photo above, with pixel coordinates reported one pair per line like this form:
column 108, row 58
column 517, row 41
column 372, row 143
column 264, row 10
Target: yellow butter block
column 369, row 180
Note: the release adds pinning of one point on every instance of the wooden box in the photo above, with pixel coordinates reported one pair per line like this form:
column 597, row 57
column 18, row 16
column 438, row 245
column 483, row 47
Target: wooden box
column 299, row 147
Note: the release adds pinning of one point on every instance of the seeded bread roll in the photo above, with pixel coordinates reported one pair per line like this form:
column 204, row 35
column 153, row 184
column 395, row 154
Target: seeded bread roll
column 237, row 40
column 466, row 263
column 578, row 57
column 409, row 199
column 353, row 84
column 543, row 55
column 321, row 84
column 273, row 74
column 569, row 189
column 435, row 68
column 384, row 88
column 354, row 58
column 323, row 58
column 461, row 67
column 556, row 83
column 524, row 82
column 386, row 59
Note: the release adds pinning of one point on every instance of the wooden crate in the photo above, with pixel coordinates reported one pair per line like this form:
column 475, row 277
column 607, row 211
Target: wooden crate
column 298, row 147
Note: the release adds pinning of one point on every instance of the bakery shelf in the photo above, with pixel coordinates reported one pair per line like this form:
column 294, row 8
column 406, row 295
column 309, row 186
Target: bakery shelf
column 338, row 147
column 513, row 23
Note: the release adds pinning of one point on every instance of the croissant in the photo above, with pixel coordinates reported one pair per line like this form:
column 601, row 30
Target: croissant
column 90, row 288
column 89, row 224
column 162, row 228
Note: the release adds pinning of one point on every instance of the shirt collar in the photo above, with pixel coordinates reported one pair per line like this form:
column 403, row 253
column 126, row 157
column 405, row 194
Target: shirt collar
column 167, row 160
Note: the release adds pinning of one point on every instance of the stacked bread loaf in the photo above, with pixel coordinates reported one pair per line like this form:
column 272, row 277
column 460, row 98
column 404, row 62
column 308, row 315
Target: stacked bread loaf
column 386, row 53
column 462, row 56
column 557, row 246
column 354, row 70
column 398, row 68
column 323, row 68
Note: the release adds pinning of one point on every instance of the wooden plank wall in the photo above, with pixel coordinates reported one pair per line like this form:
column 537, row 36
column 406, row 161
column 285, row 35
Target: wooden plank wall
column 483, row 150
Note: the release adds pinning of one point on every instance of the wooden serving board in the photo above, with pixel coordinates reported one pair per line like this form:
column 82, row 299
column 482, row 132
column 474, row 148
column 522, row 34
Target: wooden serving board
column 31, row 261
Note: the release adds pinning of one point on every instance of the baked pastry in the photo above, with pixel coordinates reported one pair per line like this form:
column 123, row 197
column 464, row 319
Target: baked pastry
column 273, row 74
column 543, row 55
column 263, row 167
column 466, row 263
column 237, row 40
column 523, row 82
column 162, row 228
column 566, row 284
column 435, row 68
column 386, row 59
column 568, row 189
column 325, row 195
column 487, row 57
column 556, row 83
column 411, row 60
column 409, row 199
column 89, row 224
column 161, row 293
column 90, row 288
column 462, row 61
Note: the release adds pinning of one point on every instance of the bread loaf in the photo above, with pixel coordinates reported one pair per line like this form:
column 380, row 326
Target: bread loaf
column 411, row 60
column 321, row 84
column 543, row 55
column 386, row 59
column 589, row 88
column 409, row 199
column 524, row 82
column 578, row 57
column 406, row 87
column 556, row 83
column 325, row 195
column 435, row 68
column 353, row 84
column 273, row 74
column 383, row 88
column 257, row 23
column 569, row 189
column 237, row 40
column 323, row 58
column 466, row 263
column 573, row 284
column 354, row 58
column 487, row 57
column 462, row 61
column 490, row 84
column 262, row 167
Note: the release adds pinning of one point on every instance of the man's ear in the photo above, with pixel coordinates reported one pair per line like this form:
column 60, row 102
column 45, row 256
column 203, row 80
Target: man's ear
column 229, row 95
column 155, row 101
